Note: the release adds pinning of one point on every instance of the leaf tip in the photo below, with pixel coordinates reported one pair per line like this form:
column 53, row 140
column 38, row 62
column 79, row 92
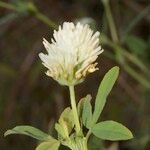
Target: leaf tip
column 116, row 68
column 6, row 133
column 130, row 135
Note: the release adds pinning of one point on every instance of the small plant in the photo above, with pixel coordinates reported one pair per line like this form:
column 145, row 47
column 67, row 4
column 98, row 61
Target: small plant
column 71, row 57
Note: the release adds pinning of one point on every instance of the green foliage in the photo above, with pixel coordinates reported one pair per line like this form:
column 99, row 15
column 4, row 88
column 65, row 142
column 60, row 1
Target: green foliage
column 135, row 70
column 107, row 130
column 103, row 91
column 80, row 106
column 49, row 142
column 50, row 145
column 62, row 133
column 20, row 6
column 111, row 130
column 30, row 131
column 87, row 112
column 65, row 123
column 67, row 117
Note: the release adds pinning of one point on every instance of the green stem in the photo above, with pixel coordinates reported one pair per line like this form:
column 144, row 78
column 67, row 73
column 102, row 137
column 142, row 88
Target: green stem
column 132, row 72
column 112, row 27
column 34, row 11
column 45, row 20
column 110, row 20
column 74, row 109
column 7, row 6
column 88, row 135
column 137, row 76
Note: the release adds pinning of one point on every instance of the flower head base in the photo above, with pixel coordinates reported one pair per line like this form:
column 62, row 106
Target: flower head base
column 71, row 53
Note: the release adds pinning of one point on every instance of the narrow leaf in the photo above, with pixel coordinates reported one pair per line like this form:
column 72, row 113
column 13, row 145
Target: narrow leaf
column 50, row 145
column 29, row 131
column 103, row 91
column 111, row 130
column 87, row 112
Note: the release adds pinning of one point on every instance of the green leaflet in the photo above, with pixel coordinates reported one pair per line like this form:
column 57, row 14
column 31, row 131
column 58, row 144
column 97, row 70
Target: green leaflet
column 61, row 130
column 87, row 112
column 29, row 131
column 103, row 91
column 80, row 106
column 65, row 123
column 50, row 145
column 111, row 130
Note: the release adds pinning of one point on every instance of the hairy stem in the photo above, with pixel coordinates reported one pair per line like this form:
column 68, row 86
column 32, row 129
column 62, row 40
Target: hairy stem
column 74, row 109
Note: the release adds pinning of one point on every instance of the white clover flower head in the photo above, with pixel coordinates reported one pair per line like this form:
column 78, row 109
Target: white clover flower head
column 72, row 53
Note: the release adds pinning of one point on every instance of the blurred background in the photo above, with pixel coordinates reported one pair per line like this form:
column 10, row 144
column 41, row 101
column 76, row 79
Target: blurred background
column 28, row 96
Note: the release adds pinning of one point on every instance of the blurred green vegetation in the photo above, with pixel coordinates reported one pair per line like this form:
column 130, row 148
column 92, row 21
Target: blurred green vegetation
column 27, row 96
